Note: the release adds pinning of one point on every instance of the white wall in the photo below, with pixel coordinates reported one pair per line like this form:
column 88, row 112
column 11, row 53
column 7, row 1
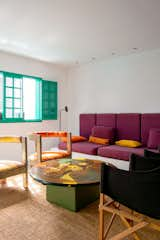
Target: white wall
column 17, row 64
column 122, row 84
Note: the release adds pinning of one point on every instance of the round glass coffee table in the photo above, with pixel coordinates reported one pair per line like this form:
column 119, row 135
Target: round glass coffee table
column 71, row 183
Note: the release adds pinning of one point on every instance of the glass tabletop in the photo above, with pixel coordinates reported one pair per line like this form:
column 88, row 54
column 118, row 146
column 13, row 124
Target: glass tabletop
column 67, row 171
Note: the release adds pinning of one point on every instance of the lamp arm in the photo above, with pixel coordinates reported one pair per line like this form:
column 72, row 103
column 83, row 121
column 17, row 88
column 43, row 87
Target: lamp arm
column 60, row 120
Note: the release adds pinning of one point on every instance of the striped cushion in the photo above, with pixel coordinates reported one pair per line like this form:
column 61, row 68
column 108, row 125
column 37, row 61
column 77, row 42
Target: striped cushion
column 46, row 155
column 10, row 168
column 6, row 165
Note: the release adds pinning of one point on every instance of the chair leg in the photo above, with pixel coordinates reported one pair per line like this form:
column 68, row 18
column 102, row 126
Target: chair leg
column 104, row 202
column 101, row 218
column 109, row 225
column 3, row 181
column 25, row 180
column 117, row 205
column 101, row 224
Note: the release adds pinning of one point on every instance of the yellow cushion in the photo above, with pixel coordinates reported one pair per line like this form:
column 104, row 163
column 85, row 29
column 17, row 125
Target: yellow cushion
column 98, row 140
column 128, row 143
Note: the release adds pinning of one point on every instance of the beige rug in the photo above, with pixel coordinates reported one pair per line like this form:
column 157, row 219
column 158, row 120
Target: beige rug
column 28, row 216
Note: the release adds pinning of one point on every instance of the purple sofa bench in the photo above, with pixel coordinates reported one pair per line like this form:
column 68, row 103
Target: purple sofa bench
column 130, row 126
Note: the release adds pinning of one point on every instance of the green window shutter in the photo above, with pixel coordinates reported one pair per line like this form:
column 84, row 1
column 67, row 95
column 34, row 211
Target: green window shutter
column 13, row 97
column 38, row 98
column 49, row 100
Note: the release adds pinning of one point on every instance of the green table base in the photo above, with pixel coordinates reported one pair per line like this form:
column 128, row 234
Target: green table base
column 73, row 197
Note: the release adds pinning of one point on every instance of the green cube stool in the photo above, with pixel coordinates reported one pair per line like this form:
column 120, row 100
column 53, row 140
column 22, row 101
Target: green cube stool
column 73, row 197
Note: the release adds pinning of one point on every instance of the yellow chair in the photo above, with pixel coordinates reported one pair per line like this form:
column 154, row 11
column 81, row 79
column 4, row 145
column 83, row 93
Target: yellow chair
column 41, row 156
column 10, row 168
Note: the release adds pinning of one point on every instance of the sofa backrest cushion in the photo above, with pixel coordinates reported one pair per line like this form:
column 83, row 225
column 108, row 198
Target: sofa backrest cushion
column 148, row 121
column 106, row 119
column 131, row 126
column 154, row 138
column 128, row 126
column 87, row 121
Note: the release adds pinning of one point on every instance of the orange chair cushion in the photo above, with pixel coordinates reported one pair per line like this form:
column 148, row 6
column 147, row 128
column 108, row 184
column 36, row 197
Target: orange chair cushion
column 74, row 139
column 52, row 134
column 50, row 155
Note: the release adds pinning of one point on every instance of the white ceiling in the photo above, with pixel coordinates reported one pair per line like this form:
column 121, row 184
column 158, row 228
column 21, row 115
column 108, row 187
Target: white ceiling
column 77, row 31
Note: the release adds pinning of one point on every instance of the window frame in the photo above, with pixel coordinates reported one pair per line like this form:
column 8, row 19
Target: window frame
column 38, row 98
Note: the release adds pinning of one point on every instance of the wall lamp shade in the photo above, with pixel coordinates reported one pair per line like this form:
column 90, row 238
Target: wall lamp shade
column 65, row 109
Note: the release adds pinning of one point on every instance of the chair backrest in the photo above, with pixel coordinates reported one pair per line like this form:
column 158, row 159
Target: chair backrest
column 17, row 139
column 10, row 139
column 138, row 190
column 38, row 136
column 52, row 134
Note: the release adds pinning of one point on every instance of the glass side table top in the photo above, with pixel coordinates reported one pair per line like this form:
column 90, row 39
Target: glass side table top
column 67, row 171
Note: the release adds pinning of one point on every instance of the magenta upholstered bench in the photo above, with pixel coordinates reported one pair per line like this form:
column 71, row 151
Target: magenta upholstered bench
column 130, row 126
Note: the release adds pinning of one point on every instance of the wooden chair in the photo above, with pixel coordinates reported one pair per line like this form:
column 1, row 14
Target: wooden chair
column 133, row 196
column 40, row 156
column 10, row 168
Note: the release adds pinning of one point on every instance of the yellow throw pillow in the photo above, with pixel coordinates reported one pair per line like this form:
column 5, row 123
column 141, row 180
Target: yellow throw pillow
column 98, row 140
column 128, row 143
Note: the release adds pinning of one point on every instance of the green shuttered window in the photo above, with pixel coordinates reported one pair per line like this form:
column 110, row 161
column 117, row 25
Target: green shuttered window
column 49, row 100
column 25, row 98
